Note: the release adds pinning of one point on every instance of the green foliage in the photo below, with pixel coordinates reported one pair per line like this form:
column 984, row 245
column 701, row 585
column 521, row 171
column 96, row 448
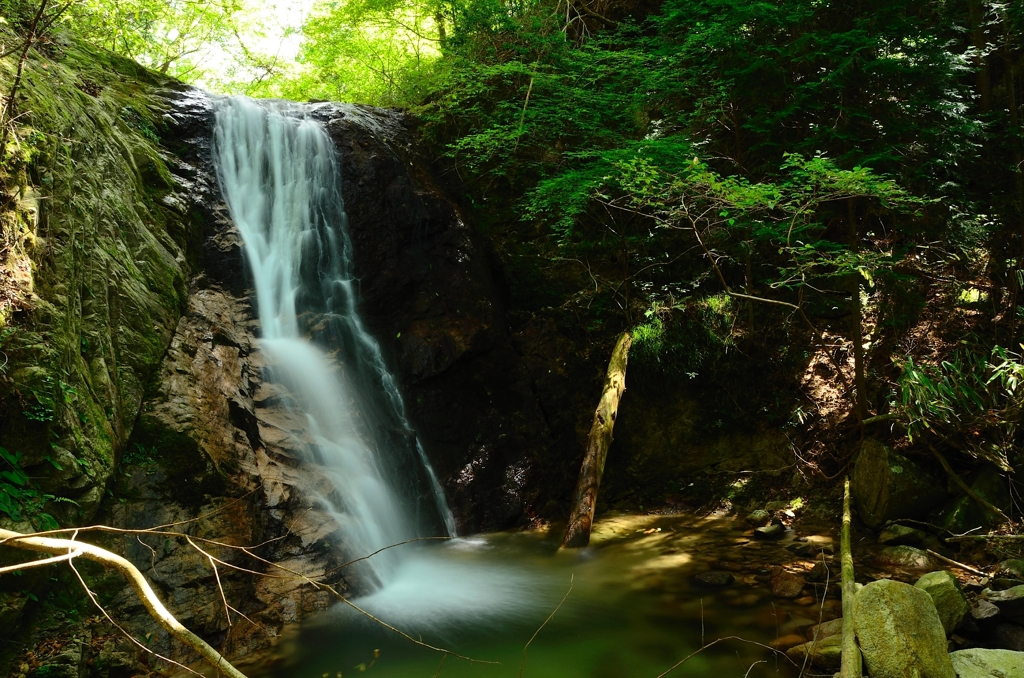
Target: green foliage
column 380, row 52
column 169, row 37
column 19, row 498
column 970, row 398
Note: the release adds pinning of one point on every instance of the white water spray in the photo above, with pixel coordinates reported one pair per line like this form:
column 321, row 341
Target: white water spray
column 280, row 178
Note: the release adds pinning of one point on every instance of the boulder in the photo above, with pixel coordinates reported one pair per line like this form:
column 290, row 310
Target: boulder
column 887, row 485
column 787, row 585
column 824, row 654
column 758, row 518
column 773, row 531
column 901, row 535
column 1010, row 602
column 819, row 573
column 899, row 632
column 905, row 558
column 979, row 663
column 950, row 601
column 825, row 629
column 984, row 611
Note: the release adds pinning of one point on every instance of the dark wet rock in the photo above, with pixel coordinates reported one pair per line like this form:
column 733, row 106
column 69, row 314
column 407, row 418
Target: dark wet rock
column 984, row 612
column 825, row 629
column 826, row 653
column 787, row 585
column 950, row 601
column 905, row 558
column 899, row 632
column 1013, row 568
column 901, row 535
column 1008, row 637
column 982, row 663
column 819, row 573
column 1010, row 602
column 886, row 485
column 774, row 506
column 758, row 518
column 714, row 579
column 964, row 514
column 773, row 531
column 1003, row 583
column 430, row 294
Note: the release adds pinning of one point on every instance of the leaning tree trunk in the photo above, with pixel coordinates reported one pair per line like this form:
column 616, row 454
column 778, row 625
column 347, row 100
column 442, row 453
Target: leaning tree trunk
column 577, row 532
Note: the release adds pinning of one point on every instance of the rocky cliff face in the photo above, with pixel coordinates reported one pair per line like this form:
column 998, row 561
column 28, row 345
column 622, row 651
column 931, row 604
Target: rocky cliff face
column 216, row 451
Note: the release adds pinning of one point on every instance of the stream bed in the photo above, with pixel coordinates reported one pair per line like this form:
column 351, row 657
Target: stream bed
column 637, row 606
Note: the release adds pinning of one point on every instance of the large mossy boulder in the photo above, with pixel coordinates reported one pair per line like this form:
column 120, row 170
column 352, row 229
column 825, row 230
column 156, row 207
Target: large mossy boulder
column 887, row 485
column 950, row 601
column 900, row 633
column 979, row 663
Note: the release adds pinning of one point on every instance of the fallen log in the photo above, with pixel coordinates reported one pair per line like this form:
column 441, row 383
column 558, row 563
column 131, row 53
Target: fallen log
column 851, row 659
column 68, row 549
column 577, row 532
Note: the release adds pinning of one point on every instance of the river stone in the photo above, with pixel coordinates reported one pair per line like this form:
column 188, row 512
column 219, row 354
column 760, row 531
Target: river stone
column 950, row 601
column 825, row 654
column 887, row 485
column 787, row 585
column 901, row 535
column 714, row 579
column 758, row 518
column 984, row 612
column 825, row 629
column 1010, row 602
column 904, row 557
column 773, row 531
column 899, row 632
column 980, row 663
column 819, row 573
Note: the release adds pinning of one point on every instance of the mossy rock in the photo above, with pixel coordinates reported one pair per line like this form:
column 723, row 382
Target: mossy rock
column 886, row 486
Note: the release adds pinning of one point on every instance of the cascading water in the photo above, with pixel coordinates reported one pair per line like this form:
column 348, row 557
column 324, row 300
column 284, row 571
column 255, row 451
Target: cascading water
column 280, row 178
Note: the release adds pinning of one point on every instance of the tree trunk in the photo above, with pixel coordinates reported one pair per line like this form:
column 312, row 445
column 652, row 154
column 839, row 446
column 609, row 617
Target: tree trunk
column 577, row 532
column 856, row 321
column 67, row 549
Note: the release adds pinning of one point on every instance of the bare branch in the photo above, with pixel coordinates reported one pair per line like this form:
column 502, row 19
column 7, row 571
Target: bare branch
column 142, row 588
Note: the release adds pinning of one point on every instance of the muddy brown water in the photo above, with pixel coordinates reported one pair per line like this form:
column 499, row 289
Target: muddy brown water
column 636, row 607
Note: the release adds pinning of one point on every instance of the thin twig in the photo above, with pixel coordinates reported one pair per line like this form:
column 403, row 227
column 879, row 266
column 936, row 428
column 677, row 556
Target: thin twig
column 541, row 627
column 716, row 642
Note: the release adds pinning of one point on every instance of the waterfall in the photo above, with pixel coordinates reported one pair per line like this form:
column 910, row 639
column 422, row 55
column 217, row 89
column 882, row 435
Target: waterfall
column 279, row 174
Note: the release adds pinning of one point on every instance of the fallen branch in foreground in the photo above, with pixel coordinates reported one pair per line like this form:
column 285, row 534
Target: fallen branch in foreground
column 72, row 549
column 25, row 541
column 851, row 659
